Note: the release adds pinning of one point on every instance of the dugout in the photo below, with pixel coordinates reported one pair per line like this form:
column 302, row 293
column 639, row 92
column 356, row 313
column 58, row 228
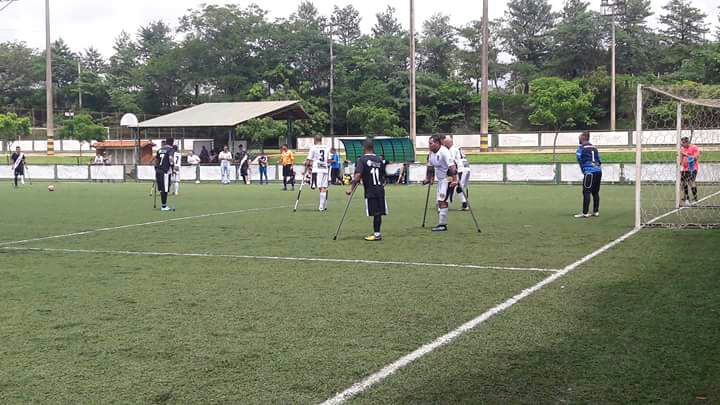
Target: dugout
column 398, row 152
column 124, row 152
column 219, row 120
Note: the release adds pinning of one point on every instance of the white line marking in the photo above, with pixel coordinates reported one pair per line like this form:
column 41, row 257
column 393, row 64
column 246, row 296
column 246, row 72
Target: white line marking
column 652, row 221
column 448, row 338
column 67, row 235
column 303, row 259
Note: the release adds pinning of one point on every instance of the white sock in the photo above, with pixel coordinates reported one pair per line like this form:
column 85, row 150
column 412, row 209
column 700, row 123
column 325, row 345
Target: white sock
column 177, row 188
column 323, row 199
column 462, row 198
column 22, row 179
column 443, row 216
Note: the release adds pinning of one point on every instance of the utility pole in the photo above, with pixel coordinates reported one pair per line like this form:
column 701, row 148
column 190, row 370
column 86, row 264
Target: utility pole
column 413, row 116
column 613, row 8
column 332, row 89
column 484, row 111
column 79, row 87
column 49, row 84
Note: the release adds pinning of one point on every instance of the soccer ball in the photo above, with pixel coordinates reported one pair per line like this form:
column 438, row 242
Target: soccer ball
column 51, row 188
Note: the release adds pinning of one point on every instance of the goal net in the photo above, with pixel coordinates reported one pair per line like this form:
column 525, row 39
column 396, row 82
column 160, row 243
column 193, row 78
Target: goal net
column 672, row 121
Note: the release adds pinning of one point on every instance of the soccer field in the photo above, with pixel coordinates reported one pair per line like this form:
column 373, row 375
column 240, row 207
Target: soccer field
column 234, row 298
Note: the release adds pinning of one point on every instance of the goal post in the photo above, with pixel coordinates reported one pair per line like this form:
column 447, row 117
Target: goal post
column 668, row 192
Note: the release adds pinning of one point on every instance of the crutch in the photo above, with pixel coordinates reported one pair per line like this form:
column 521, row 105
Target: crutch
column 477, row 225
column 352, row 193
column 154, row 190
column 302, row 183
column 427, row 201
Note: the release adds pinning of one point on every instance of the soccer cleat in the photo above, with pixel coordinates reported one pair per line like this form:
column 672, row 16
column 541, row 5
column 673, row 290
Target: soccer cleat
column 465, row 207
column 439, row 228
column 596, row 214
column 581, row 216
column 165, row 209
column 687, row 203
column 373, row 238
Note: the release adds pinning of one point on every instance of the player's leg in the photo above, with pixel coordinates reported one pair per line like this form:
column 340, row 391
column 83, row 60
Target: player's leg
column 176, row 181
column 22, row 175
column 595, row 191
column 443, row 195
column 375, row 208
column 586, row 193
column 321, row 180
column 16, row 173
column 684, row 181
column 464, row 181
column 693, row 185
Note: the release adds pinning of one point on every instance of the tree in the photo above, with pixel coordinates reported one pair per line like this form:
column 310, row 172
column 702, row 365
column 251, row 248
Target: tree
column 470, row 54
column 18, row 78
column 82, row 128
column 526, row 35
column 638, row 47
column 437, row 46
column 13, row 127
column 376, row 120
column 387, row 24
column 560, row 104
column 345, row 24
column 578, row 40
column 93, row 61
column 684, row 24
column 260, row 129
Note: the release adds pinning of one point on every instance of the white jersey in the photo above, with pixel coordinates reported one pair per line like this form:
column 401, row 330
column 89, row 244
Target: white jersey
column 225, row 157
column 319, row 154
column 459, row 159
column 441, row 161
column 177, row 161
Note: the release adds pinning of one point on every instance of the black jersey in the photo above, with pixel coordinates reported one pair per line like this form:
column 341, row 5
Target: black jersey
column 373, row 177
column 15, row 156
column 164, row 159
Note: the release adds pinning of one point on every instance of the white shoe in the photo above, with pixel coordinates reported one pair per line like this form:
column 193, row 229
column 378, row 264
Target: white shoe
column 687, row 203
column 165, row 209
column 596, row 214
column 581, row 216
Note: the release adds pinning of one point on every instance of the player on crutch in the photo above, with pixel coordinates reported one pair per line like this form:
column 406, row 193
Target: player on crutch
column 317, row 162
column 164, row 162
column 177, row 164
column 463, row 168
column 440, row 165
column 18, row 166
column 368, row 169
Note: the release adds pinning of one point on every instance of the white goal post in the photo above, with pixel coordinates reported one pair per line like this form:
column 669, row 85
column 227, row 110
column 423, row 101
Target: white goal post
column 666, row 194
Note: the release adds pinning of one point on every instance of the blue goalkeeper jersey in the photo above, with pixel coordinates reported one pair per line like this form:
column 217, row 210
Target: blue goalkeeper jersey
column 589, row 159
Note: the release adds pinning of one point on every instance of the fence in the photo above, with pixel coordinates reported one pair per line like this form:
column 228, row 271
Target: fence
column 560, row 173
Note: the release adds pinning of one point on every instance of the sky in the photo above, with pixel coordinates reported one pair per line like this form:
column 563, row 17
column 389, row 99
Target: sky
column 85, row 23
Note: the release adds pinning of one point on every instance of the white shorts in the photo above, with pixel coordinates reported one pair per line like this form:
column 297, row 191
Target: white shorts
column 442, row 189
column 464, row 179
column 322, row 180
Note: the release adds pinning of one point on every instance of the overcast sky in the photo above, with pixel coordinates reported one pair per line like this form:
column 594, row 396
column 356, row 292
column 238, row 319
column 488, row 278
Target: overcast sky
column 84, row 23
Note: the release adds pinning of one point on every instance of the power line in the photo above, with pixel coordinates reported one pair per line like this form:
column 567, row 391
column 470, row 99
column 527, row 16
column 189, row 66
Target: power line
column 7, row 5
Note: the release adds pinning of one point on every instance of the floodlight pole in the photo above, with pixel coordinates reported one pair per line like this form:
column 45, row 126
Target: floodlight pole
column 79, row 86
column 332, row 89
column 612, row 86
column 413, row 116
column 484, row 113
column 612, row 8
column 49, row 84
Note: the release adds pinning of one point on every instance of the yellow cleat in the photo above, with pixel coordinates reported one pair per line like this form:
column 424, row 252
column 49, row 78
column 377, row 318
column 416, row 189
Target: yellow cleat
column 373, row 238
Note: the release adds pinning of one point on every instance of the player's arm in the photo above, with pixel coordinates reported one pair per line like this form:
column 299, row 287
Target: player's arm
column 453, row 173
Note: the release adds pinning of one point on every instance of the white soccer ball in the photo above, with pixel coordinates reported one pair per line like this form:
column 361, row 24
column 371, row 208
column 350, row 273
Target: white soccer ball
column 51, row 188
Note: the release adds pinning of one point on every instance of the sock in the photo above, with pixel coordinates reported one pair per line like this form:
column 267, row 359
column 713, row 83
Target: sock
column 323, row 199
column 443, row 216
column 16, row 179
column 377, row 221
column 687, row 194
column 163, row 198
column 22, row 180
column 694, row 191
column 462, row 198
column 177, row 188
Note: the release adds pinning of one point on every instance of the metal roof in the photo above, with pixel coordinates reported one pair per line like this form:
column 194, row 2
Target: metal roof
column 227, row 114
column 121, row 144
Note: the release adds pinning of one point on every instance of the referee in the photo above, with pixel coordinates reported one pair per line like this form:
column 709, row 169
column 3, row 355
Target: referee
column 588, row 158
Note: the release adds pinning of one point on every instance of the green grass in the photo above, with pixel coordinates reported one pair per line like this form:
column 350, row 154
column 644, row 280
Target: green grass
column 638, row 324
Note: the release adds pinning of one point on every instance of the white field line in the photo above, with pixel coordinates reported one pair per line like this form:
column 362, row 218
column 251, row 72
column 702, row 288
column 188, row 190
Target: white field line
column 652, row 221
column 448, row 338
column 301, row 259
column 67, row 235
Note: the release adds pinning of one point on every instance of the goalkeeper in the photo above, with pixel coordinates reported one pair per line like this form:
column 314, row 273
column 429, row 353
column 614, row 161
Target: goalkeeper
column 588, row 158
column 689, row 154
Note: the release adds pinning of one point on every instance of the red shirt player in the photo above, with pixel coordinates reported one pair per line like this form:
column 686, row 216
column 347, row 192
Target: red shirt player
column 689, row 166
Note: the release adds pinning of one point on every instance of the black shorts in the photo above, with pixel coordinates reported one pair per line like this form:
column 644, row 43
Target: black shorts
column 288, row 171
column 20, row 170
column 688, row 176
column 335, row 174
column 163, row 181
column 375, row 207
column 591, row 183
column 243, row 170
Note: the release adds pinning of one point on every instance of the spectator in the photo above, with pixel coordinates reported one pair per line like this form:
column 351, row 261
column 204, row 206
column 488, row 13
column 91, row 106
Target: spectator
column 287, row 159
column 204, row 155
column 194, row 160
column 335, row 166
column 106, row 159
column 225, row 158
column 241, row 158
column 98, row 159
column 263, row 166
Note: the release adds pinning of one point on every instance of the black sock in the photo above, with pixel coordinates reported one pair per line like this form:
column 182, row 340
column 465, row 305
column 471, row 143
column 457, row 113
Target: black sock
column 163, row 198
column 586, row 203
column 377, row 221
column 685, row 189
column 694, row 190
column 16, row 178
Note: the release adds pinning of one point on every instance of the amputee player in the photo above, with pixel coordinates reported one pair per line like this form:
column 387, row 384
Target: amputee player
column 442, row 167
column 690, row 156
column 317, row 162
column 463, row 168
column 177, row 164
column 368, row 169
column 588, row 158
column 164, row 162
column 225, row 161
column 18, row 166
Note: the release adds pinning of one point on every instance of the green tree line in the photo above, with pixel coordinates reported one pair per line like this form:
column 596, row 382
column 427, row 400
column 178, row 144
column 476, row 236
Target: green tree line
column 548, row 68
